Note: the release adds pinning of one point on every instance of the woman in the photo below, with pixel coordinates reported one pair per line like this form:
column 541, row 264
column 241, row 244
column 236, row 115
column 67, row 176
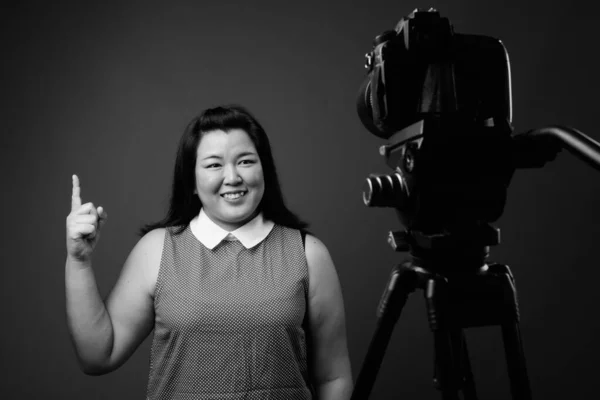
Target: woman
column 243, row 302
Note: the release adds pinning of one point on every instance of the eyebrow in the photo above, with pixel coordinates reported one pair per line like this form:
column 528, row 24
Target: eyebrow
column 212, row 156
column 242, row 154
column 247, row 153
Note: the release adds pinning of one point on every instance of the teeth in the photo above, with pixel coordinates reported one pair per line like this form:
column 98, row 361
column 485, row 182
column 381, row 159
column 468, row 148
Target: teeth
column 233, row 196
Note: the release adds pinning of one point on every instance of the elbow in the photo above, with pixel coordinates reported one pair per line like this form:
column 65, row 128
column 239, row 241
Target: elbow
column 94, row 368
column 342, row 386
column 94, row 360
column 338, row 389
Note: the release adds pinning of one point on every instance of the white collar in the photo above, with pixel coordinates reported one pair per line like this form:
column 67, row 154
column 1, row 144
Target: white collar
column 211, row 234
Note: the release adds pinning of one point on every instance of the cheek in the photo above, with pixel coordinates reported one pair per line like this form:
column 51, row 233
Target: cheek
column 206, row 184
column 255, row 178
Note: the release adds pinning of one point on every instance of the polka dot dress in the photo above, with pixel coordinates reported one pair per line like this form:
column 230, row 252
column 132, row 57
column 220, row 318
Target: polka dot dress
column 229, row 321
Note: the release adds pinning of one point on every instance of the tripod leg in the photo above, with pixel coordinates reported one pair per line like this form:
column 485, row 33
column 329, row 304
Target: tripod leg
column 448, row 339
column 402, row 282
column 515, row 360
column 468, row 381
column 511, row 335
column 447, row 375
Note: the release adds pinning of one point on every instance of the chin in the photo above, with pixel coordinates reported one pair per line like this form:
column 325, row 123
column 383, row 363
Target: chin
column 239, row 217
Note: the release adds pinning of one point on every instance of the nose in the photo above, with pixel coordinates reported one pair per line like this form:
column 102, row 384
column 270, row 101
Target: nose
column 231, row 175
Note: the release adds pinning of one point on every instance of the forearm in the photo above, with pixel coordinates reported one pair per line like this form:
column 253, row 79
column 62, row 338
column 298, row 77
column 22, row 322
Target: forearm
column 87, row 318
column 336, row 389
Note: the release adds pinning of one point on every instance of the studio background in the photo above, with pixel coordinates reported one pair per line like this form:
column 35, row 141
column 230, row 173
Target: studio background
column 105, row 91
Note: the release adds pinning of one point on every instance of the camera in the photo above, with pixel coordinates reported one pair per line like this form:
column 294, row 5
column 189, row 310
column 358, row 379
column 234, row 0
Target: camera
column 443, row 102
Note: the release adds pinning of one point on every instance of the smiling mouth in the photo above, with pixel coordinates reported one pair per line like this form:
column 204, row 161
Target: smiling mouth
column 234, row 195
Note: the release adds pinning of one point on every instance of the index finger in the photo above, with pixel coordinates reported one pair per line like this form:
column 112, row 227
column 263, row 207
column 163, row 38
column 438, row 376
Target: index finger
column 76, row 196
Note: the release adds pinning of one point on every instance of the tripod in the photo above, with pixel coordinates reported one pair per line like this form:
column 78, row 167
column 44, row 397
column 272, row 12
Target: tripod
column 443, row 101
column 461, row 291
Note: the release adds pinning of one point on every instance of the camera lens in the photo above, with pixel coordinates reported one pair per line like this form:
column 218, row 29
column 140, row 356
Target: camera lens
column 385, row 190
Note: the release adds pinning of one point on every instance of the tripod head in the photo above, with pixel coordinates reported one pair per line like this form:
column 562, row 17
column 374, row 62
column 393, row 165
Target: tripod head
column 443, row 102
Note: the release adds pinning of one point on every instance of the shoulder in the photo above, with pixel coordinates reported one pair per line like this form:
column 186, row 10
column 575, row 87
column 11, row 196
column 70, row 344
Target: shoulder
column 324, row 291
column 315, row 249
column 146, row 256
column 321, row 270
column 152, row 241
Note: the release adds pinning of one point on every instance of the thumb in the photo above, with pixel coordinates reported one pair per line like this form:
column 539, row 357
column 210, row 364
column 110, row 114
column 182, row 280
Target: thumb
column 102, row 217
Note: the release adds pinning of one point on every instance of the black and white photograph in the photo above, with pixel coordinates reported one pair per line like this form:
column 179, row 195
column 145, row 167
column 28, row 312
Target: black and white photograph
column 304, row 200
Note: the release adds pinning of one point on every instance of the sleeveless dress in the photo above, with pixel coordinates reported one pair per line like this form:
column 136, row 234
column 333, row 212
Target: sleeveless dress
column 230, row 322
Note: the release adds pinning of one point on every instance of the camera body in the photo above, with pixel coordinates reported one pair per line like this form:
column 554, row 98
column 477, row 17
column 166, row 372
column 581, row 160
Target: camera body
column 443, row 102
column 423, row 69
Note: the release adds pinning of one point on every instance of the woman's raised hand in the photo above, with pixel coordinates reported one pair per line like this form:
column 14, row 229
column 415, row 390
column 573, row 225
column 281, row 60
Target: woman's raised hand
column 83, row 226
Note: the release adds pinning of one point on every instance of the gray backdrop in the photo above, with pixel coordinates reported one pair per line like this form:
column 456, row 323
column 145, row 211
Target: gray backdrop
column 105, row 92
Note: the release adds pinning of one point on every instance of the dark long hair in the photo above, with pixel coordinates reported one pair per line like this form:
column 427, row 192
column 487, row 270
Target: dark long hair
column 185, row 204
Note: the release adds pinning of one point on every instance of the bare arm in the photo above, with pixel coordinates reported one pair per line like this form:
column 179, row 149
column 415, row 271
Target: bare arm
column 105, row 334
column 331, row 371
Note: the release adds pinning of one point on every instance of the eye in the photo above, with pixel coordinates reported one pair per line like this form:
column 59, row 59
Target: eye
column 248, row 161
column 213, row 165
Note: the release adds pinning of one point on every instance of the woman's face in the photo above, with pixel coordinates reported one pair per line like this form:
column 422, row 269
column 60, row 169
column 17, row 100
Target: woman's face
column 229, row 177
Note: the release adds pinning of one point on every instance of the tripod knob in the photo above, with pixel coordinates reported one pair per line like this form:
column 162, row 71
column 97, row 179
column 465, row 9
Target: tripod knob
column 398, row 240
